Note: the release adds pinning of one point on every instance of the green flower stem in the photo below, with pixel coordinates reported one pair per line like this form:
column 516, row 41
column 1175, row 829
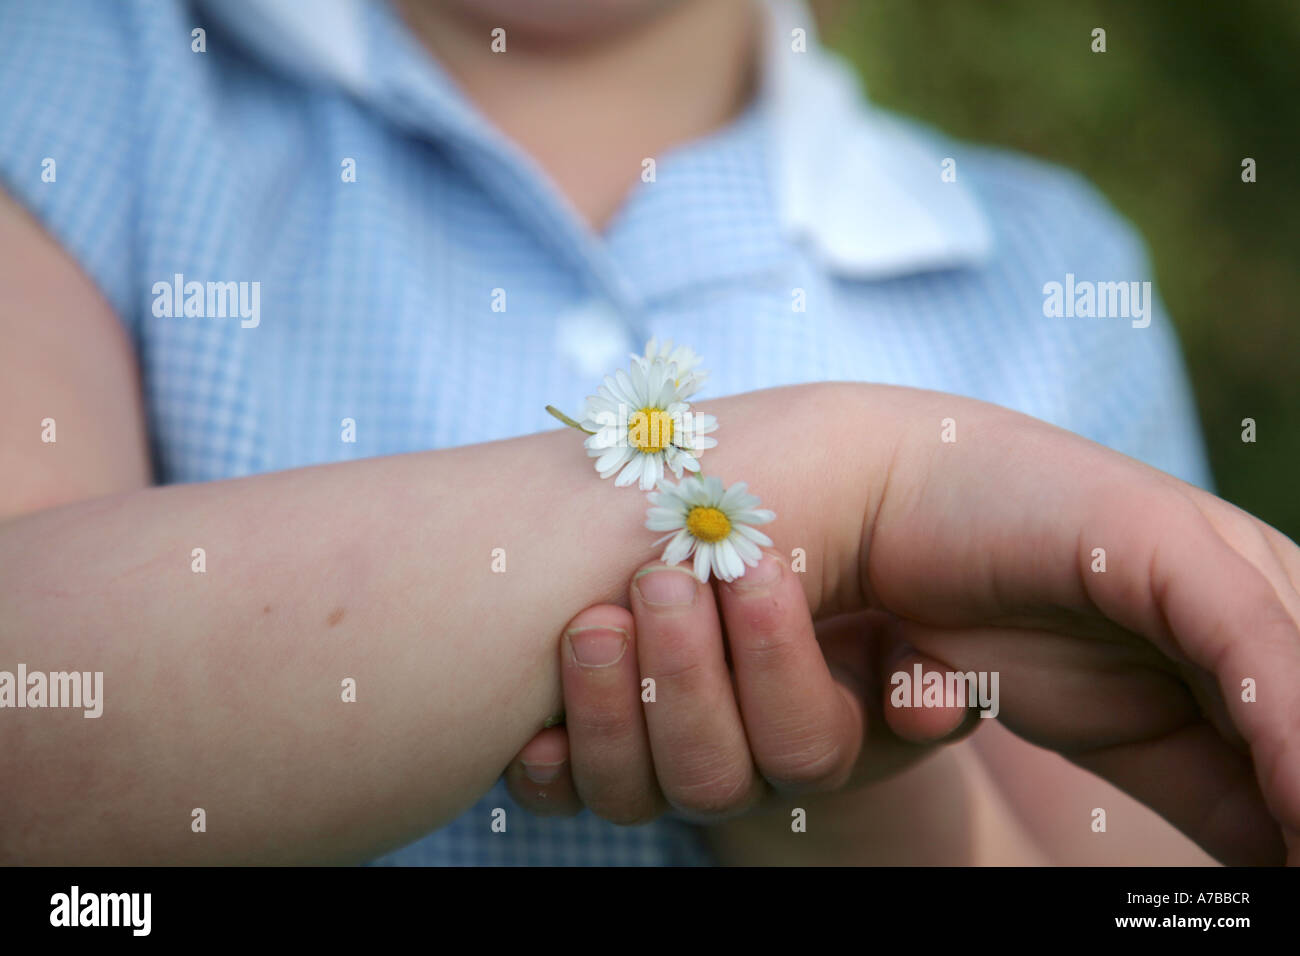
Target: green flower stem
column 567, row 420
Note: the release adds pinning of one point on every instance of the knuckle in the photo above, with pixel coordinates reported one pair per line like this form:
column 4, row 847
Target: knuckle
column 604, row 721
column 764, row 616
column 715, row 788
column 769, row 650
column 627, row 811
column 682, row 673
column 821, row 761
column 766, row 630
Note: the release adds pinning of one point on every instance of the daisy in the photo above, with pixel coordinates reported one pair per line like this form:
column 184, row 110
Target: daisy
column 639, row 424
column 690, row 378
column 716, row 524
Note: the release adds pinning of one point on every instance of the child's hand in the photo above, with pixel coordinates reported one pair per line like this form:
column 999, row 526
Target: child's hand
column 798, row 710
column 1173, row 673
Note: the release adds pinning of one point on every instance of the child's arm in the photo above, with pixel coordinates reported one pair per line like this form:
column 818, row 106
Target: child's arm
column 214, row 701
column 1133, row 622
column 945, row 811
column 222, row 689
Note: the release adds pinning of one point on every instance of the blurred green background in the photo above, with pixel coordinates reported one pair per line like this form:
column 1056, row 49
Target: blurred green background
column 1160, row 122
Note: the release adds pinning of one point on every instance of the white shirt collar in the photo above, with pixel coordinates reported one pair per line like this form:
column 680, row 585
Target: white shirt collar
column 862, row 188
column 860, row 185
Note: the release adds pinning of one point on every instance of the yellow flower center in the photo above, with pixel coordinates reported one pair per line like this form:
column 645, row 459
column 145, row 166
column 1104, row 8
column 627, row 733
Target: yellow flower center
column 650, row 430
column 708, row 524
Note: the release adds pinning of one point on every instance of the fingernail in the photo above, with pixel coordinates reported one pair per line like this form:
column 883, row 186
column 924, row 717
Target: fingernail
column 763, row 575
column 596, row 646
column 896, row 649
column 542, row 772
column 666, row 586
column 898, row 653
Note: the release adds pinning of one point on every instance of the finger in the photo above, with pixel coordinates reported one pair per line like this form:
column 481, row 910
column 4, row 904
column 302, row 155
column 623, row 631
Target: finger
column 862, row 650
column 1218, row 800
column 539, row 778
column 925, row 702
column 613, row 770
column 1090, row 536
column 1268, row 549
column 804, row 728
column 1230, row 616
column 701, row 755
column 1127, row 716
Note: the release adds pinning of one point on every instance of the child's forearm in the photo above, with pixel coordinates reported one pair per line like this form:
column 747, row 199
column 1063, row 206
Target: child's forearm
column 941, row 812
column 1058, row 803
column 222, row 690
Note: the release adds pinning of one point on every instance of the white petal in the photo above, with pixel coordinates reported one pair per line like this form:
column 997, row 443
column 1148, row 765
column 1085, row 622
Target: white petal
column 732, row 498
column 664, row 520
column 663, row 375
column 721, row 568
column 748, row 551
column 703, row 424
column 610, row 461
column 752, row 535
column 605, row 438
column 630, row 474
column 693, row 491
column 679, row 548
column 639, row 379
column 611, row 396
column 652, row 469
column 661, row 498
column 703, row 558
column 624, row 392
column 666, row 496
column 700, row 443
column 726, row 558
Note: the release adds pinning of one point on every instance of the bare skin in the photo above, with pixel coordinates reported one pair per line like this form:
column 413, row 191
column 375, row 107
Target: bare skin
column 562, row 95
column 871, row 779
column 223, row 689
column 984, row 545
column 619, row 83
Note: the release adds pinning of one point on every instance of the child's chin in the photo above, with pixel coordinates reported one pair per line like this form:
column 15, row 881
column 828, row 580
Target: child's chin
column 560, row 21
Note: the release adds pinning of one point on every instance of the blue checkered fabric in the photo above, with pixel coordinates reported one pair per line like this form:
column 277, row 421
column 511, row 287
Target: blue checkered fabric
column 377, row 295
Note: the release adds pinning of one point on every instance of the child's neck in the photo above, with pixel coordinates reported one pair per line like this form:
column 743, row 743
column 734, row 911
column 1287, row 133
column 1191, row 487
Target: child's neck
column 589, row 114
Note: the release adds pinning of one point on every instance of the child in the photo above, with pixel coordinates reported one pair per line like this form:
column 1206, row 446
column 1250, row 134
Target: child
column 408, row 227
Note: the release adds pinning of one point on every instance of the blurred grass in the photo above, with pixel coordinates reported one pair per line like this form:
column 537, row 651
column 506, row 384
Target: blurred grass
column 1160, row 122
